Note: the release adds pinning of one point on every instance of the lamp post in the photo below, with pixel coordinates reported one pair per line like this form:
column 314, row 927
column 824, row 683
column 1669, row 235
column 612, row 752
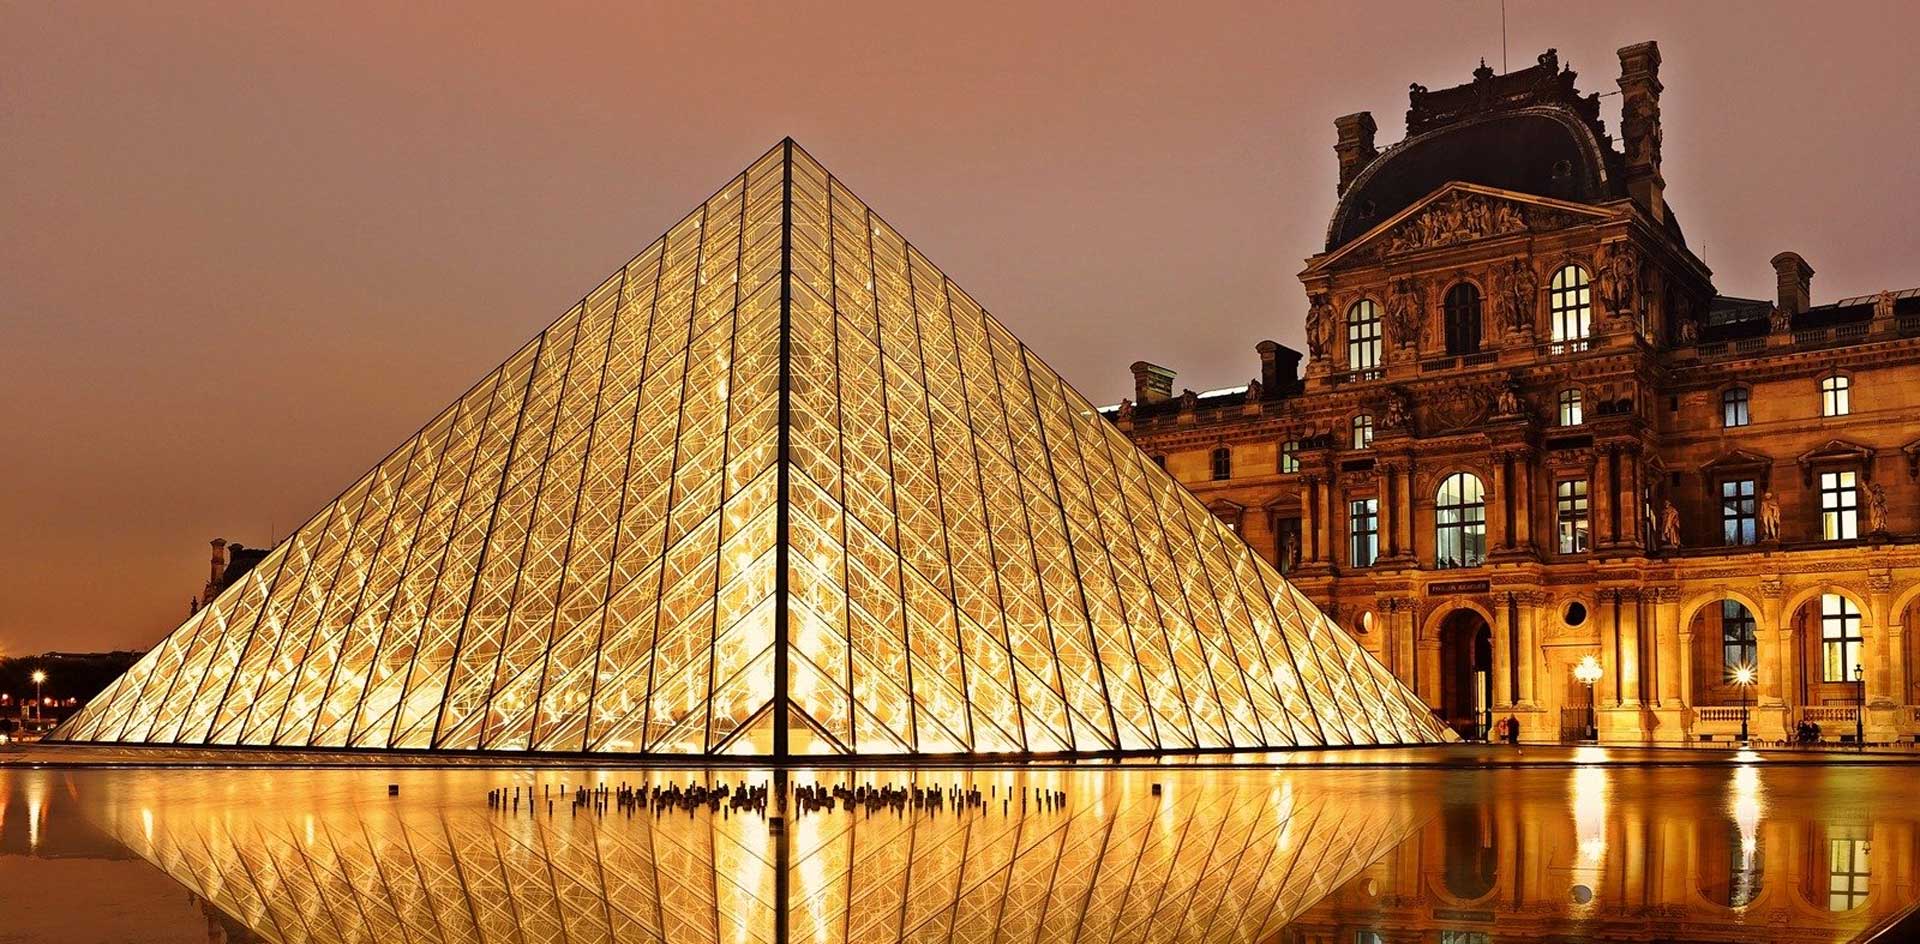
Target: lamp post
column 1743, row 677
column 1860, row 707
column 39, row 679
column 1588, row 672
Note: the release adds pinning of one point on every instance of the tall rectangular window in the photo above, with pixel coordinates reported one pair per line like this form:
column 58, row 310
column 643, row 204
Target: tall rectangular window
column 1570, row 414
column 1365, row 340
column 1362, row 431
column 1836, row 396
column 1733, row 407
column 1839, row 506
column 1570, row 510
column 1222, row 464
column 1847, row 874
column 1570, row 303
column 1737, row 518
column 1290, row 456
column 1363, row 530
column 1839, row 638
column 1739, row 646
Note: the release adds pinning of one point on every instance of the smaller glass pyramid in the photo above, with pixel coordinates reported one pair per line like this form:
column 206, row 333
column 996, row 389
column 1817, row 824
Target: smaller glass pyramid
column 777, row 487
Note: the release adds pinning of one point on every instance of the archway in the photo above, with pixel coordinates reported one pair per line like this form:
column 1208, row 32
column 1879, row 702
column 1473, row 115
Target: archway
column 1830, row 661
column 1726, row 639
column 1466, row 672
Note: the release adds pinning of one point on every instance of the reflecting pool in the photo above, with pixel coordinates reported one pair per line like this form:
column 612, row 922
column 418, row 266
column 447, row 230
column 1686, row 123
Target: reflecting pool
column 1456, row 854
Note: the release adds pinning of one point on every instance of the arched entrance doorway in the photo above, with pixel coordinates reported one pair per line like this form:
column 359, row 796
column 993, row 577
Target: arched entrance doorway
column 1466, row 673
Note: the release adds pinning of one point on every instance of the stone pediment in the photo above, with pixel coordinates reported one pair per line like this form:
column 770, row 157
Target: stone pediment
column 1462, row 213
column 1737, row 460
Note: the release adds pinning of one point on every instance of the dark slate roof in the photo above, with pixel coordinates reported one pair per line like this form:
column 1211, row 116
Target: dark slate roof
column 1528, row 131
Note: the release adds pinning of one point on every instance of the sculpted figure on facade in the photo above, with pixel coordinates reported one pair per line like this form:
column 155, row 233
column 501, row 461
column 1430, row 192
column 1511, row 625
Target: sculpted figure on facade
column 1456, row 218
column 1126, row 410
column 1520, row 291
column 1255, row 391
column 1877, row 508
column 1769, row 517
column 1405, row 316
column 1397, row 411
column 1619, row 279
column 1781, row 320
column 1507, row 401
column 1670, row 525
column 1319, row 327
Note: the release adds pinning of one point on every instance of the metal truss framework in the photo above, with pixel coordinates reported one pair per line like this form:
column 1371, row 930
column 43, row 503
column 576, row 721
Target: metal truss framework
column 777, row 487
column 1214, row 860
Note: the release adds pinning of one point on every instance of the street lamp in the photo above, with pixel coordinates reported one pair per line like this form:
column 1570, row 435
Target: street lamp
column 39, row 679
column 1860, row 706
column 1743, row 677
column 1588, row 672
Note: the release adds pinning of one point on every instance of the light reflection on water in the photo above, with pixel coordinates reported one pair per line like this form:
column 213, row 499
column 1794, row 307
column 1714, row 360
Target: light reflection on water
column 1707, row 853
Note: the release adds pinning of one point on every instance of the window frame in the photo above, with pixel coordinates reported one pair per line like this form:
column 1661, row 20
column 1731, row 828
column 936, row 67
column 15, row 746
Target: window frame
column 1220, row 464
column 1732, row 400
column 1362, row 430
column 1836, row 395
column 1739, row 512
column 1852, row 884
column 1569, row 411
column 1572, row 510
column 1459, row 522
column 1289, row 456
column 1839, row 505
column 1746, row 644
column 1363, row 524
column 1570, row 309
column 1841, row 641
column 1462, row 319
column 1366, row 336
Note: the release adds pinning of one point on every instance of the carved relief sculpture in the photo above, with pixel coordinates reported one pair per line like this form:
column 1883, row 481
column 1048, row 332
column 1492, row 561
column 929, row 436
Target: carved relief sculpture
column 1520, row 291
column 1508, row 400
column 1453, row 219
column 1397, row 411
column 1405, row 317
column 1319, row 327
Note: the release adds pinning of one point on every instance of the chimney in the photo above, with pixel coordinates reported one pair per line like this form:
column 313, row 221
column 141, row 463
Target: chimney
column 1795, row 279
column 1640, row 126
column 219, row 562
column 1151, row 383
column 1279, row 368
column 1355, row 147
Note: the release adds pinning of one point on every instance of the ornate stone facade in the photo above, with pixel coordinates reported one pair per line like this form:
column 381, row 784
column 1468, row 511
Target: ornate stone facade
column 1564, row 443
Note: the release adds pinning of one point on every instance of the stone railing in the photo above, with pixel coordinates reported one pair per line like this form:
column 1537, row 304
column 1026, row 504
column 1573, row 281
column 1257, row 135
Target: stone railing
column 1718, row 713
column 1828, row 714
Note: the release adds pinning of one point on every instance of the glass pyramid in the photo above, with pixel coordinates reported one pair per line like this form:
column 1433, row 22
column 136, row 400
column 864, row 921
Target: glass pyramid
column 777, row 487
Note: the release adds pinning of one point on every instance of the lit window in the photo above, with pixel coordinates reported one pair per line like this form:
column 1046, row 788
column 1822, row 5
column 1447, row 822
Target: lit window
column 1847, row 874
column 1839, row 506
column 1738, row 643
column 1363, row 529
column 1839, row 638
column 1570, row 408
column 1222, row 464
column 1733, row 407
column 1290, row 456
column 1362, row 431
column 1836, row 398
column 1571, row 306
column 1363, row 336
column 1570, row 510
column 1460, row 522
column 1462, row 306
column 1737, row 505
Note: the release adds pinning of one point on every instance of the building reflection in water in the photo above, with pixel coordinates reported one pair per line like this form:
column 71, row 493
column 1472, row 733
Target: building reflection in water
column 327, row 856
column 1747, row 852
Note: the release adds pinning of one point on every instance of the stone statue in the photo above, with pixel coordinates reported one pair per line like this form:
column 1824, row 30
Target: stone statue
column 1254, row 391
column 1126, row 410
column 1320, row 327
column 1397, row 412
column 1769, row 517
column 1404, row 316
column 1670, row 525
column 1289, row 551
column 1689, row 330
column 1507, row 401
column 1877, row 508
column 1188, row 400
column 1521, row 288
column 1619, row 278
column 1781, row 320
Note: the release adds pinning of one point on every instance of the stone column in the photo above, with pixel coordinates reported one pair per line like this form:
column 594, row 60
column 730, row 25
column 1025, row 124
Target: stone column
column 1310, row 512
column 1430, row 672
column 1404, row 616
column 1503, row 640
column 1667, row 621
column 1686, row 669
column 1523, row 499
column 1389, row 492
column 1404, row 520
column 1879, row 654
column 1629, row 648
column 1770, row 638
column 1600, row 497
column 1330, row 511
column 1530, row 605
column 1629, row 460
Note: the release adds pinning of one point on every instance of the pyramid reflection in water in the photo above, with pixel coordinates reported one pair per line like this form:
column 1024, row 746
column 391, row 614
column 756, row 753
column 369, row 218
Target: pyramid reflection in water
column 1217, row 858
column 777, row 487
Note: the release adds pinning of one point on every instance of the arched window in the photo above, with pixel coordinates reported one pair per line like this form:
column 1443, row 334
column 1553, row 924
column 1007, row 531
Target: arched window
column 1222, row 464
column 1739, row 646
column 1733, row 407
column 1460, row 522
column 1570, row 414
column 1363, row 431
column 1363, row 336
column 1836, row 395
column 1462, row 307
column 1839, row 638
column 1571, row 306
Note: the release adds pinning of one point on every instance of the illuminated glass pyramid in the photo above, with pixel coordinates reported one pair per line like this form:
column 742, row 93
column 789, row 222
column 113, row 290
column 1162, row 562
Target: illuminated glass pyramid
column 599, row 548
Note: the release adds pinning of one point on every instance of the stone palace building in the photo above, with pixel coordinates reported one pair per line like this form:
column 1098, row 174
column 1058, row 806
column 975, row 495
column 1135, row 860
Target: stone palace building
column 1530, row 432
